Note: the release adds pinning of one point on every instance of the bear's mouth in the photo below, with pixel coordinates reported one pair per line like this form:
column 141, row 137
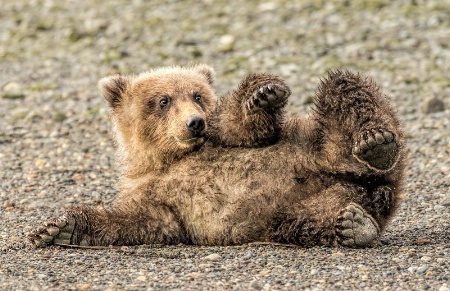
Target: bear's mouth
column 191, row 141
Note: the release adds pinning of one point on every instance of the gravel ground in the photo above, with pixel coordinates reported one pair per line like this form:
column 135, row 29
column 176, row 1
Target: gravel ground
column 56, row 151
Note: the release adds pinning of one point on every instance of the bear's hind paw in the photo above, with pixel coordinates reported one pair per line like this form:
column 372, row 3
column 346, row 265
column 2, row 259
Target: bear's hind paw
column 377, row 149
column 54, row 231
column 355, row 227
column 267, row 96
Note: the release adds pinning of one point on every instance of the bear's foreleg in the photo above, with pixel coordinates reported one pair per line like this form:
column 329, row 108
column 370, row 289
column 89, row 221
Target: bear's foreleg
column 253, row 114
column 100, row 227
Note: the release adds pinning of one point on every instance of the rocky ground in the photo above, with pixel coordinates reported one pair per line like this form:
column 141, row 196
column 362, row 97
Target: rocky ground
column 56, row 152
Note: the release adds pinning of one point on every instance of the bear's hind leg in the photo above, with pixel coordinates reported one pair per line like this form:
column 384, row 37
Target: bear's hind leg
column 357, row 121
column 338, row 215
column 355, row 227
column 252, row 115
column 351, row 227
column 377, row 149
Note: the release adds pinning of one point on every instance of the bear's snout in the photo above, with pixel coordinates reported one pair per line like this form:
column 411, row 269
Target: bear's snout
column 195, row 124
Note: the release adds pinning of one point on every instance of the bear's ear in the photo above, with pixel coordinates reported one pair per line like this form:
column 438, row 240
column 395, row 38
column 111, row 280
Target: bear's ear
column 113, row 87
column 206, row 71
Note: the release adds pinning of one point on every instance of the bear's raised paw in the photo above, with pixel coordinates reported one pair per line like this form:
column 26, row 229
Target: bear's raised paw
column 267, row 96
column 54, row 231
column 377, row 148
column 355, row 227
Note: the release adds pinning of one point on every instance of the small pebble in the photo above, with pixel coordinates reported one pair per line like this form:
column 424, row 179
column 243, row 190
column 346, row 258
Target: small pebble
column 39, row 163
column 255, row 285
column 412, row 269
column 265, row 272
column 78, row 177
column 226, row 43
column 434, row 105
column 267, row 6
column 422, row 269
column 211, row 257
column 13, row 90
column 425, row 259
column 8, row 203
column 84, row 287
column 204, row 266
column 338, row 255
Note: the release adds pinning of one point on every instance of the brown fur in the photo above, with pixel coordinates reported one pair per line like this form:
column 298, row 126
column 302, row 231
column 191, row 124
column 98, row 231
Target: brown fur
column 149, row 137
column 232, row 125
column 257, row 178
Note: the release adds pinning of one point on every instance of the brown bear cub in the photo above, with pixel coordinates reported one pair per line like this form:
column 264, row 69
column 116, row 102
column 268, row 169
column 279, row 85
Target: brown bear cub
column 197, row 170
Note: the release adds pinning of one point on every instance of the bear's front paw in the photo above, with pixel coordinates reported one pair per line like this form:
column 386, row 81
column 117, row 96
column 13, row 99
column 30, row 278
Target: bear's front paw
column 355, row 227
column 54, row 231
column 377, row 148
column 267, row 96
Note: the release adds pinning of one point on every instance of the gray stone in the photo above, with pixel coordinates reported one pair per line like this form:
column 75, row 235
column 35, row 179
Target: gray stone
column 422, row 269
column 433, row 105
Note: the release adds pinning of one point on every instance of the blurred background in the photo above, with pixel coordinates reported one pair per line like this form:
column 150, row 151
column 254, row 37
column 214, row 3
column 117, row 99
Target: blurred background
column 53, row 52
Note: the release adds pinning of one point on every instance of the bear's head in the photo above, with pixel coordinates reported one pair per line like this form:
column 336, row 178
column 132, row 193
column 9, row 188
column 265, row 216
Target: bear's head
column 158, row 116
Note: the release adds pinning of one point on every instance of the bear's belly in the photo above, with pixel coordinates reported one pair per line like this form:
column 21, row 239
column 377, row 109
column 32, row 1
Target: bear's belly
column 234, row 198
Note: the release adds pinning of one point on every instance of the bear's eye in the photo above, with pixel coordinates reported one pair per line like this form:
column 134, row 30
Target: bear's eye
column 197, row 97
column 164, row 101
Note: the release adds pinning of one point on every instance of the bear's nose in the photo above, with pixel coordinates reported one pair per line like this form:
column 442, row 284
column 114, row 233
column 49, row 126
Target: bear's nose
column 195, row 124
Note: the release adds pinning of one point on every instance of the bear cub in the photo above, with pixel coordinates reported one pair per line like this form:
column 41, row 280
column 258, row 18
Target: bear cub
column 201, row 170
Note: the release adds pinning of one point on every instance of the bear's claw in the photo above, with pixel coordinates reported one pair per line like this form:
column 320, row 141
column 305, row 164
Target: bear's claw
column 355, row 227
column 267, row 96
column 377, row 148
column 54, row 231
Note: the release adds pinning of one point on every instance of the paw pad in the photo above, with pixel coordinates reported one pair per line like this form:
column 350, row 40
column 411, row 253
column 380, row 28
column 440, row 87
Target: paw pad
column 267, row 96
column 377, row 148
column 54, row 231
column 355, row 227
